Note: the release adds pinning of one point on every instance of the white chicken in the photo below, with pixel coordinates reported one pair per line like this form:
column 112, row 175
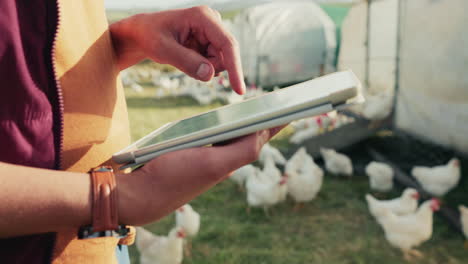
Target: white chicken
column 296, row 160
column 271, row 173
column 166, row 82
column 380, row 176
column 160, row 93
column 253, row 91
column 407, row 203
column 438, row 180
column 203, row 94
column 143, row 73
column 308, row 128
column 263, row 191
column 232, row 97
column 270, row 151
column 188, row 219
column 283, row 189
column 270, row 170
column 136, row 87
column 222, row 82
column 342, row 120
column 464, row 222
column 160, row 249
column 337, row 163
column 378, row 106
column 240, row 175
column 304, row 178
column 408, row 231
column 300, row 124
column 328, row 120
column 126, row 77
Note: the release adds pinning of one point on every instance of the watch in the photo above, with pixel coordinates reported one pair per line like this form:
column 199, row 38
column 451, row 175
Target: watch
column 104, row 206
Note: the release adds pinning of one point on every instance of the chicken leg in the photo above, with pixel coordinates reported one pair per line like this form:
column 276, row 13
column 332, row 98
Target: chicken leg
column 466, row 244
column 411, row 254
column 416, row 253
column 188, row 248
column 298, row 206
column 265, row 209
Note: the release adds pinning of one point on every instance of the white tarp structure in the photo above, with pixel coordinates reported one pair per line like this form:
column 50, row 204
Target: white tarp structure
column 433, row 94
column 432, row 91
column 375, row 66
column 285, row 42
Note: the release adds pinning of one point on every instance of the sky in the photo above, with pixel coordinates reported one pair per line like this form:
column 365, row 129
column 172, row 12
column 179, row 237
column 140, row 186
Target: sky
column 166, row 4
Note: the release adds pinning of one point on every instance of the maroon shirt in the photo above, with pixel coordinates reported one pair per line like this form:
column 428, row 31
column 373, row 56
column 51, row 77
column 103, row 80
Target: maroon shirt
column 28, row 105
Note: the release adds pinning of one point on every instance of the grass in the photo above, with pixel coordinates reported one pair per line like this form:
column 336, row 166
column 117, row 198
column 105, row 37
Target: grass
column 334, row 228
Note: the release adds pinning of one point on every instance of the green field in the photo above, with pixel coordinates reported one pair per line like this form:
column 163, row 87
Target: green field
column 334, row 228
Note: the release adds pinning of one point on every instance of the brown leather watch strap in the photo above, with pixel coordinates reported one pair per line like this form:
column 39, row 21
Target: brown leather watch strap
column 104, row 199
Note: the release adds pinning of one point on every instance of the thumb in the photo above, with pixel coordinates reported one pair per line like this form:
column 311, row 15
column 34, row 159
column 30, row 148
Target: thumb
column 238, row 152
column 188, row 61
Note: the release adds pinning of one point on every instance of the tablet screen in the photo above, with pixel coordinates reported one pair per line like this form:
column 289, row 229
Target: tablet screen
column 288, row 100
column 222, row 117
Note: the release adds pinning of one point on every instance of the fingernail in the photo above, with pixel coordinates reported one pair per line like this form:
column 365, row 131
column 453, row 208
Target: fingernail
column 203, row 70
column 265, row 136
column 243, row 89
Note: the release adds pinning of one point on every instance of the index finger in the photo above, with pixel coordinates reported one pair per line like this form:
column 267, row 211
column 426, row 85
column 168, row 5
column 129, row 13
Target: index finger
column 224, row 42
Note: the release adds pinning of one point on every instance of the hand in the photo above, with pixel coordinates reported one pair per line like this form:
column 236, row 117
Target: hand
column 193, row 40
column 175, row 178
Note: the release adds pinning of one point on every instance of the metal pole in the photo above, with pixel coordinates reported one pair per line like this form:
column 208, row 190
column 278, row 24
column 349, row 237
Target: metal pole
column 397, row 59
column 367, row 66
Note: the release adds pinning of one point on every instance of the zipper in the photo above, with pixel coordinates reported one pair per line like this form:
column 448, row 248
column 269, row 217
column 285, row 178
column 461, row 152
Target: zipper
column 59, row 122
column 58, row 114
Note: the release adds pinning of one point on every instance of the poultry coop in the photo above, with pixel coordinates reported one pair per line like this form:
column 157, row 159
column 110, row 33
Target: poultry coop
column 275, row 55
column 385, row 43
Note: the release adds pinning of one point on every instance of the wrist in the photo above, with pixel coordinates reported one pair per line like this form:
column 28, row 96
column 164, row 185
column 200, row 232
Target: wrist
column 138, row 200
column 126, row 200
column 124, row 35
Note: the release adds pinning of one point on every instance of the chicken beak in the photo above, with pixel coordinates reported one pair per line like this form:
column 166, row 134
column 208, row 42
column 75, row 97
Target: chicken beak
column 435, row 204
column 319, row 121
column 283, row 180
column 181, row 233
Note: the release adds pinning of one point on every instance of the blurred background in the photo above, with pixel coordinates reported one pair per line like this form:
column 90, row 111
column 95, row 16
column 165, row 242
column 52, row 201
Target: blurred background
column 411, row 57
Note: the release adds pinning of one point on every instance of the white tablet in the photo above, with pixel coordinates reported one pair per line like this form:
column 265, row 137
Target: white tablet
column 314, row 97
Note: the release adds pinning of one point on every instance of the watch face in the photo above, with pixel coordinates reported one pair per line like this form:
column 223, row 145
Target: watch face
column 103, row 168
column 86, row 232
